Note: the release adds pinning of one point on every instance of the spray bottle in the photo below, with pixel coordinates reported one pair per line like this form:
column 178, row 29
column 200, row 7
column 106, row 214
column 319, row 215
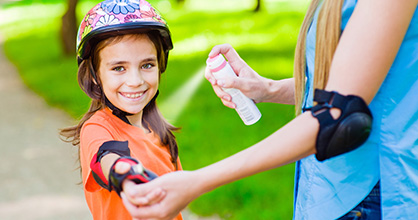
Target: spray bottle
column 245, row 107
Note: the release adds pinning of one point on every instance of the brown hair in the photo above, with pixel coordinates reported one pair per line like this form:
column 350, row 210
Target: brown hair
column 327, row 37
column 90, row 83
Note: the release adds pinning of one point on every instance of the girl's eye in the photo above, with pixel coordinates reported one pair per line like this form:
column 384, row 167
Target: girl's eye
column 119, row 69
column 147, row 66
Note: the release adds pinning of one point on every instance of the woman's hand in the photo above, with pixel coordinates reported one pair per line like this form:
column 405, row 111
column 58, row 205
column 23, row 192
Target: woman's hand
column 131, row 202
column 249, row 82
column 161, row 198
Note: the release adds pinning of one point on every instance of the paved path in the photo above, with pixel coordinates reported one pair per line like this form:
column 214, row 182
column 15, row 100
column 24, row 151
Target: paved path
column 38, row 175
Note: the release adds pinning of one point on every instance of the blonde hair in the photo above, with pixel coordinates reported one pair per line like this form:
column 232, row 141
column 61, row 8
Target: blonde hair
column 327, row 37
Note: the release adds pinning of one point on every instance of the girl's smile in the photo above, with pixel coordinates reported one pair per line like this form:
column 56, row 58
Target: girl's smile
column 129, row 73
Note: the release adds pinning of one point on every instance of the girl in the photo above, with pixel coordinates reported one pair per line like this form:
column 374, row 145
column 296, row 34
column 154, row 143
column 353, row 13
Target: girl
column 122, row 52
column 362, row 48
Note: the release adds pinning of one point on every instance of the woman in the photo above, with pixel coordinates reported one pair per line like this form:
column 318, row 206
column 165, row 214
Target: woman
column 375, row 59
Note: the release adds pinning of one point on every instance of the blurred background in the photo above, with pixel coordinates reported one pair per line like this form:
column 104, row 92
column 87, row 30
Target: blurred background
column 38, row 38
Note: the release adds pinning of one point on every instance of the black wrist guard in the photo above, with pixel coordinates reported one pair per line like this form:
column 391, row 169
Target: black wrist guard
column 137, row 173
column 347, row 132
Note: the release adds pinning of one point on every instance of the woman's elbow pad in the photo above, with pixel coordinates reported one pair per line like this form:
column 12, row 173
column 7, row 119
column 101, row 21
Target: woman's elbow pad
column 345, row 133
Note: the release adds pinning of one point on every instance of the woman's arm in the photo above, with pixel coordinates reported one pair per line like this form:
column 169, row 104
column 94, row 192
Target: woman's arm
column 292, row 142
column 368, row 46
column 180, row 188
column 366, row 51
column 364, row 55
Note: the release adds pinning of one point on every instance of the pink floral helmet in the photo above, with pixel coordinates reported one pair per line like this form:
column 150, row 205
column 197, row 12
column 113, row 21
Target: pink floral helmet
column 123, row 16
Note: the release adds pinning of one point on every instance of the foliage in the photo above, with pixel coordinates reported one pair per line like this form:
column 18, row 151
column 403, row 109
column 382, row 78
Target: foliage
column 210, row 131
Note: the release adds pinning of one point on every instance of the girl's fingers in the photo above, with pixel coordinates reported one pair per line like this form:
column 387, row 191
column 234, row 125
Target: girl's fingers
column 122, row 167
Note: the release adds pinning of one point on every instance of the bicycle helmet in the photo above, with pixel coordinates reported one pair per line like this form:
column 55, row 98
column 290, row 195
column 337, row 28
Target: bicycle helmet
column 123, row 17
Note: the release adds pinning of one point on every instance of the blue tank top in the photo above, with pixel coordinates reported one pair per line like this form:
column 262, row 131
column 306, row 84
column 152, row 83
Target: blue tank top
column 329, row 189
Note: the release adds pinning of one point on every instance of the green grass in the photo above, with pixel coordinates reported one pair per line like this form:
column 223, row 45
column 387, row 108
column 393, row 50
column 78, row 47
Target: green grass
column 210, row 131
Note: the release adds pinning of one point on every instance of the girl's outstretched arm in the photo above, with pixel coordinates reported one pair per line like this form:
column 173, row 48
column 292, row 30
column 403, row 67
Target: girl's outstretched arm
column 363, row 57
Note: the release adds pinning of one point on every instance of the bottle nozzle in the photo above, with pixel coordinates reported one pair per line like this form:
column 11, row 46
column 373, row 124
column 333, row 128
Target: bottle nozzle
column 216, row 63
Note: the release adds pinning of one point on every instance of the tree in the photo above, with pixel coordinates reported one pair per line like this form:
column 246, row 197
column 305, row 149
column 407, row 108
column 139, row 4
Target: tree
column 258, row 6
column 180, row 2
column 69, row 28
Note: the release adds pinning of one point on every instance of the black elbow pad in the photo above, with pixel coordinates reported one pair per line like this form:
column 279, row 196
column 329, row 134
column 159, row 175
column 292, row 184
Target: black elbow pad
column 117, row 147
column 346, row 133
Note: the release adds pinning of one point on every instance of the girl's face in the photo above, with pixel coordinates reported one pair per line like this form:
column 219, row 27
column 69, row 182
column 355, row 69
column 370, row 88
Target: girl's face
column 129, row 72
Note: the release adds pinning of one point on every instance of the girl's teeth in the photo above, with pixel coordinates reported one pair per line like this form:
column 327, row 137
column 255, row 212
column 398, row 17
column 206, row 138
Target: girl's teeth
column 136, row 95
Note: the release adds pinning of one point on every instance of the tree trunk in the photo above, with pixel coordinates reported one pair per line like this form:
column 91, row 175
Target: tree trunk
column 69, row 28
column 258, row 6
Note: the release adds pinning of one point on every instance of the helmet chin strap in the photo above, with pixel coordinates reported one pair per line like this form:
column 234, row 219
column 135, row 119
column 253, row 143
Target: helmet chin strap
column 117, row 111
column 122, row 114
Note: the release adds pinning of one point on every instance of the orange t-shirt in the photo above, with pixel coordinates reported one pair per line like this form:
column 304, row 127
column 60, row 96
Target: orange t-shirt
column 104, row 126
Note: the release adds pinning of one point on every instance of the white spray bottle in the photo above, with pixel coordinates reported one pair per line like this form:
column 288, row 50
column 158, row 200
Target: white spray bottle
column 245, row 107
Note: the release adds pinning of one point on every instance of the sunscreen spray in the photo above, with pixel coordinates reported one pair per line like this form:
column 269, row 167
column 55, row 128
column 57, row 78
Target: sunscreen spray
column 245, row 107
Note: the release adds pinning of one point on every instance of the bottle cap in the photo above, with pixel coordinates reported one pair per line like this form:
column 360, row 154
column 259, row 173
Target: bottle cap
column 216, row 63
